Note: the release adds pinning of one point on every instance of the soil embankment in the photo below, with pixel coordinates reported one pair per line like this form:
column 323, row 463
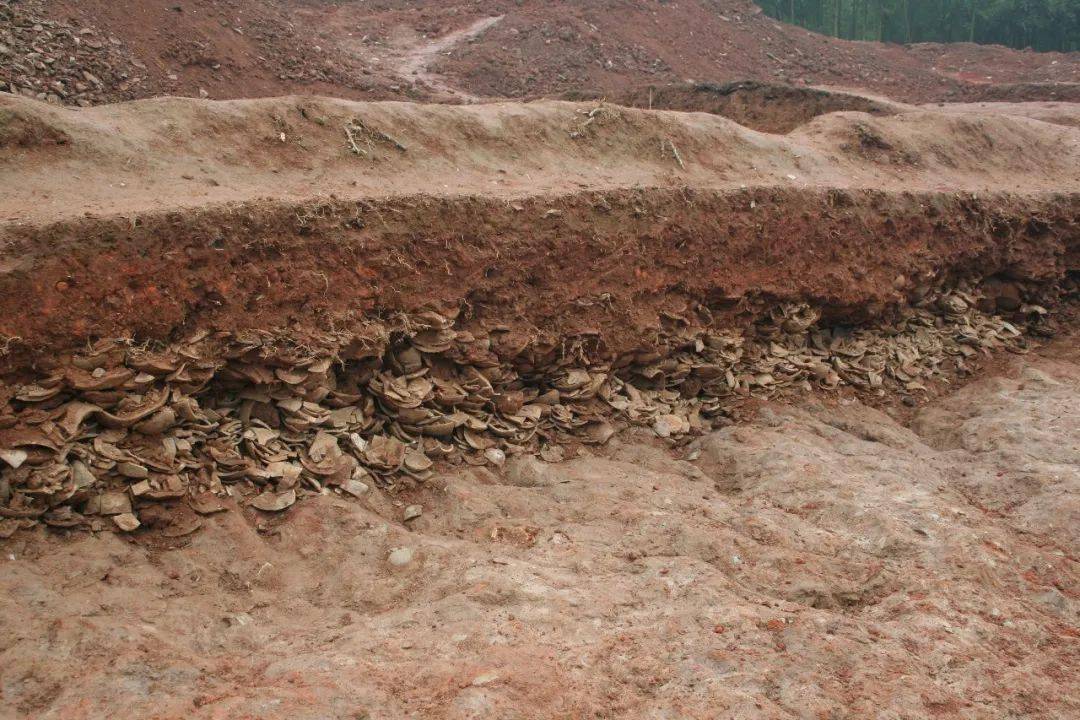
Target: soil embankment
column 169, row 215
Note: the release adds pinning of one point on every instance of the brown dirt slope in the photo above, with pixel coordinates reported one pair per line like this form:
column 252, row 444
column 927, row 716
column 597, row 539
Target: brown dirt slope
column 613, row 45
column 454, row 50
column 570, row 218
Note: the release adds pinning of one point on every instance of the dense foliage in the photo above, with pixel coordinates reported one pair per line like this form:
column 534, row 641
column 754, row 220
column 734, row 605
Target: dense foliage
column 1038, row 24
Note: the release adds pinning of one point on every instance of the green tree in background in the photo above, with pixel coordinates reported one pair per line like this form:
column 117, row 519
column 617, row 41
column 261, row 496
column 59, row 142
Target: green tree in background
column 1039, row 24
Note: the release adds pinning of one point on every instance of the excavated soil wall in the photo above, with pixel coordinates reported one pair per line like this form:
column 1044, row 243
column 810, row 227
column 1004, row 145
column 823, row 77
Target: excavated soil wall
column 604, row 264
column 266, row 300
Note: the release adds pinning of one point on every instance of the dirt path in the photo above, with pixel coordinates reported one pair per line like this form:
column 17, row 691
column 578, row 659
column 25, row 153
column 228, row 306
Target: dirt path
column 414, row 64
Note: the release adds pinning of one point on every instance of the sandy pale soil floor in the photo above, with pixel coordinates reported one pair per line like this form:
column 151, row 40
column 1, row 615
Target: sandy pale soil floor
column 820, row 562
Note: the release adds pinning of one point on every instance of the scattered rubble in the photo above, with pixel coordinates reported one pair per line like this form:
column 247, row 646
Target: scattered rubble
column 60, row 63
column 251, row 416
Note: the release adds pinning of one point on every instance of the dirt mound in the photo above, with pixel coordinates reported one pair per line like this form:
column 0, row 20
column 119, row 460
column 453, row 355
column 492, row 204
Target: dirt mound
column 992, row 65
column 1052, row 112
column 762, row 106
column 21, row 130
column 422, row 49
column 1027, row 92
column 168, row 154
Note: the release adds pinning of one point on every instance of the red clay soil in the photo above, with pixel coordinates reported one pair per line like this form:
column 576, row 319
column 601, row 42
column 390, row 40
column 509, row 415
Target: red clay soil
column 384, row 48
column 656, row 254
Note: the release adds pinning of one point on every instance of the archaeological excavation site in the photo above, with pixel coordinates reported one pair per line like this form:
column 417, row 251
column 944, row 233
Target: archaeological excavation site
column 520, row 360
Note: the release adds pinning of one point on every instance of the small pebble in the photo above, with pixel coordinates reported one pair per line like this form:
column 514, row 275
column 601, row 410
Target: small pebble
column 401, row 556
